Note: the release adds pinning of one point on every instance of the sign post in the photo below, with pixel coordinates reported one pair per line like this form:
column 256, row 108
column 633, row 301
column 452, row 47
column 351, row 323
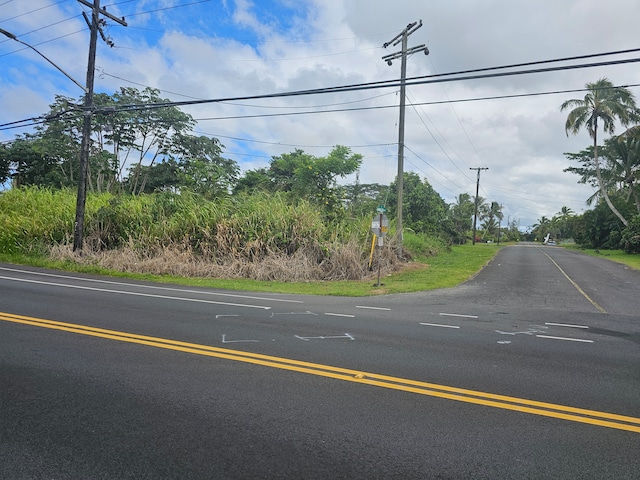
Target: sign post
column 380, row 228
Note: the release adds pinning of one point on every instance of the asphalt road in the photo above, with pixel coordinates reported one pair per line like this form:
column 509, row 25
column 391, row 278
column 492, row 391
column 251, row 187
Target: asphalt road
column 529, row 370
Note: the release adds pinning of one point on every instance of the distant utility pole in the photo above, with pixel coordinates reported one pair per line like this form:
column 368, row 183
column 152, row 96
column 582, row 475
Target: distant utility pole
column 95, row 26
column 500, row 222
column 475, row 215
column 402, row 54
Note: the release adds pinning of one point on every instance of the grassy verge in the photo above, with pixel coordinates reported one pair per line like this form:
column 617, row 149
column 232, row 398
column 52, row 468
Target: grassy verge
column 618, row 256
column 447, row 269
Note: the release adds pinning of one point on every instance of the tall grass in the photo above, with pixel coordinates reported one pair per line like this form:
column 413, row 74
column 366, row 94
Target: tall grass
column 260, row 236
column 33, row 219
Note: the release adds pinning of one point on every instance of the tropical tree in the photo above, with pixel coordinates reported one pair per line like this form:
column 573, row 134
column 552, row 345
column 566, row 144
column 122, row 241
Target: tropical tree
column 254, row 180
column 5, row 163
column 148, row 130
column 624, row 163
column 461, row 213
column 491, row 215
column 606, row 104
column 363, row 198
column 424, row 210
column 202, row 168
column 314, row 178
column 541, row 228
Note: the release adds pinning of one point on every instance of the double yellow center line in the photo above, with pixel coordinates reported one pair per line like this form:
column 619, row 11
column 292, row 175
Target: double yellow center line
column 592, row 417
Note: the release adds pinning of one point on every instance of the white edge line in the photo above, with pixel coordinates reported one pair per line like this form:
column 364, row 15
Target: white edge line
column 154, row 287
column 137, row 294
column 457, row 315
column 372, row 308
column 564, row 338
column 339, row 315
column 438, row 325
column 568, row 325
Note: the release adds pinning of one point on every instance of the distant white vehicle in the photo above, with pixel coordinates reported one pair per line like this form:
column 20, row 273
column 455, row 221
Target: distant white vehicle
column 547, row 241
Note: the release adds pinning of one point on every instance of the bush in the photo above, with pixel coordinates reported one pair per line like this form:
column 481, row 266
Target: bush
column 631, row 236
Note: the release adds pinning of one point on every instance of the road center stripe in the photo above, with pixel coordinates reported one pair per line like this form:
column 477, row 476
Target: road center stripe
column 592, row 417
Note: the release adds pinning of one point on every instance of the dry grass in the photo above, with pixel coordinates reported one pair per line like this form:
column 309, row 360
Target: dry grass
column 341, row 262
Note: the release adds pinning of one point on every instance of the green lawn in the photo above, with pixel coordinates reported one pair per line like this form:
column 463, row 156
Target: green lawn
column 618, row 256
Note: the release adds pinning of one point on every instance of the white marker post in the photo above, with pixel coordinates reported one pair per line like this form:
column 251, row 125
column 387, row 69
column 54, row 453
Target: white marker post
column 380, row 227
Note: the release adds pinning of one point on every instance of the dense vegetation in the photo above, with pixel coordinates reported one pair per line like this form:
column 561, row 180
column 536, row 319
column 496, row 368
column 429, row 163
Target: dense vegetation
column 162, row 200
column 613, row 169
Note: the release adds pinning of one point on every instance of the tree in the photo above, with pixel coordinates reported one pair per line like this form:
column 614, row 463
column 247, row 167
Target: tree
column 599, row 227
column 314, row 178
column 26, row 164
column 146, row 131
column 129, row 127
column 202, row 169
column 563, row 221
column 362, row 198
column 461, row 213
column 624, row 163
column 5, row 163
column 541, row 228
column 604, row 103
column 253, row 180
column 161, row 177
column 491, row 214
column 424, row 210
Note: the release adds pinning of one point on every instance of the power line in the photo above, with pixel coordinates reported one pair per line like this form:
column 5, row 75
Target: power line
column 32, row 11
column 427, row 79
column 166, row 8
column 421, row 80
column 38, row 120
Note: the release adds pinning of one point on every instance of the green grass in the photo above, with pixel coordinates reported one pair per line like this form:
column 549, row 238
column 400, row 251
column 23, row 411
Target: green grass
column 618, row 256
column 446, row 269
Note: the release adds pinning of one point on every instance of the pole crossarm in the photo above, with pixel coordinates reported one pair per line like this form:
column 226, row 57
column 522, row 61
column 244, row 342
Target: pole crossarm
column 103, row 11
column 393, row 56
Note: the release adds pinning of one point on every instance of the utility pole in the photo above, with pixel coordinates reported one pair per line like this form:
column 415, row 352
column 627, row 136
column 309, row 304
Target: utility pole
column 500, row 222
column 95, row 25
column 475, row 215
column 402, row 54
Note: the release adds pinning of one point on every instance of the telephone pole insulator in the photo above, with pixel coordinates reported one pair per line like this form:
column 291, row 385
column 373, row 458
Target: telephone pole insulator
column 402, row 55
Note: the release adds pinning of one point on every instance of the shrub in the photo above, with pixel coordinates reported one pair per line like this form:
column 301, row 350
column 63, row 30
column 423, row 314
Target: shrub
column 631, row 236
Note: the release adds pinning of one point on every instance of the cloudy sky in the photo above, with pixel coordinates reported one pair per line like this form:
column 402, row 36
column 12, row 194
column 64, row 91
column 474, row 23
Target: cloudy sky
column 221, row 49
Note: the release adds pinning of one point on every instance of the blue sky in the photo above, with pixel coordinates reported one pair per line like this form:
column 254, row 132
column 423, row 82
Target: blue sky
column 234, row 48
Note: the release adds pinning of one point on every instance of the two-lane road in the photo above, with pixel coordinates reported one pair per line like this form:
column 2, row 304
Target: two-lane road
column 529, row 370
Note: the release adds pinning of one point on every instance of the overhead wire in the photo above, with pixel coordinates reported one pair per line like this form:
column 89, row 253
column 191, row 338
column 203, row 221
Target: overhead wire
column 420, row 80
column 33, row 11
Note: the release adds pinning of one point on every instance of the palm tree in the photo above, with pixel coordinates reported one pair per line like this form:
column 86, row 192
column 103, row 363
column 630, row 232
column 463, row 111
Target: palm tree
column 606, row 103
column 541, row 228
column 625, row 162
column 492, row 215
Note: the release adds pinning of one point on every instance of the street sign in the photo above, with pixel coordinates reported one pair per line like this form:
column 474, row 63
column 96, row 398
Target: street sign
column 380, row 225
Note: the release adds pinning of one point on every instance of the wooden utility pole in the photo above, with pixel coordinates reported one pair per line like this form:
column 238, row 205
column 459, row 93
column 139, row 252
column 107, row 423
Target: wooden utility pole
column 95, row 25
column 402, row 54
column 475, row 215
